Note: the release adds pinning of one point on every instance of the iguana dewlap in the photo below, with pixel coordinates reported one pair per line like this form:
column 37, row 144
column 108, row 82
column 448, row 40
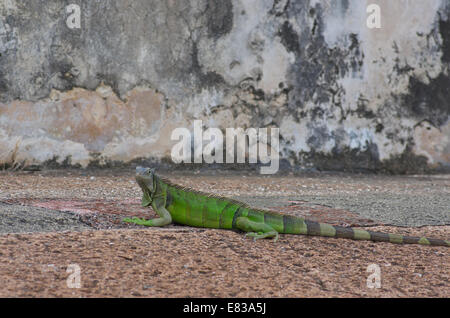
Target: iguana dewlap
column 174, row 203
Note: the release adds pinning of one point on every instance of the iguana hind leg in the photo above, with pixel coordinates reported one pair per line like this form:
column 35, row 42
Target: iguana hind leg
column 260, row 235
column 255, row 229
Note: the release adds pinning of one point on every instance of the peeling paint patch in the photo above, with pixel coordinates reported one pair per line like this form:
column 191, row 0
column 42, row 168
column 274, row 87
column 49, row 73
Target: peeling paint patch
column 432, row 143
column 78, row 122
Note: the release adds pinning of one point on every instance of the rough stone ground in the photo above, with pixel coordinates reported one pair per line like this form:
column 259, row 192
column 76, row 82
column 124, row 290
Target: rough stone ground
column 51, row 219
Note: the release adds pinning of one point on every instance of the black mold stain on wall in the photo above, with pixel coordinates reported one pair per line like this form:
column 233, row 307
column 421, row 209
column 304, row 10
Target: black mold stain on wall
column 289, row 38
column 444, row 30
column 429, row 101
column 4, row 85
column 317, row 67
column 208, row 79
column 220, row 18
column 354, row 160
column 315, row 76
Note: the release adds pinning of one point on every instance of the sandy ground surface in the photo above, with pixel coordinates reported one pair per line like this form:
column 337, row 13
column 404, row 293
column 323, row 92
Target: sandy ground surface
column 55, row 222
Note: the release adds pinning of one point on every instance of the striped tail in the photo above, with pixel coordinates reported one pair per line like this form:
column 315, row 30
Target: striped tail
column 300, row 226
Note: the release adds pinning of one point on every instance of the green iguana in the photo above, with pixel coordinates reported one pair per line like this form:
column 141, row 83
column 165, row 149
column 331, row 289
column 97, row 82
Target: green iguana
column 174, row 203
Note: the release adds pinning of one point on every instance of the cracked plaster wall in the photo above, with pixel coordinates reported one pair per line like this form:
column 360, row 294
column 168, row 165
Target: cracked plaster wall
column 344, row 96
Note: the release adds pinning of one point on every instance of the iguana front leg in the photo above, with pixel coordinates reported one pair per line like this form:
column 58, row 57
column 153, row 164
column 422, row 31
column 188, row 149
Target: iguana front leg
column 164, row 219
column 255, row 229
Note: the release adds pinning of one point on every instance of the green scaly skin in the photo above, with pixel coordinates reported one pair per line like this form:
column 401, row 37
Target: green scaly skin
column 174, row 203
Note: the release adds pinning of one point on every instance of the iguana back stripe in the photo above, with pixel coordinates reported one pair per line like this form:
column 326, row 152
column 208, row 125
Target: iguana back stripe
column 183, row 205
column 236, row 214
column 313, row 228
column 169, row 198
column 222, row 211
column 345, row 232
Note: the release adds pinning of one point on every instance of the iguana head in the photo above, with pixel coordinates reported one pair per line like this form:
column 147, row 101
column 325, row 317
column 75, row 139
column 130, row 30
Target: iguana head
column 145, row 177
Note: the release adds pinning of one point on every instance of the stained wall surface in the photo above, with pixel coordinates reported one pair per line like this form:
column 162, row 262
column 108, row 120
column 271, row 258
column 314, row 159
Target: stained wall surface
column 345, row 96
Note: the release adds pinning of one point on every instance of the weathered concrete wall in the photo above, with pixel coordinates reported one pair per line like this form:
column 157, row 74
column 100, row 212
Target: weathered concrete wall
column 344, row 96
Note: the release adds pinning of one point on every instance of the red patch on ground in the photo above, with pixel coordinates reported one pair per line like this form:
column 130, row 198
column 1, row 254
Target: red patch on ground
column 130, row 207
column 95, row 213
column 69, row 206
